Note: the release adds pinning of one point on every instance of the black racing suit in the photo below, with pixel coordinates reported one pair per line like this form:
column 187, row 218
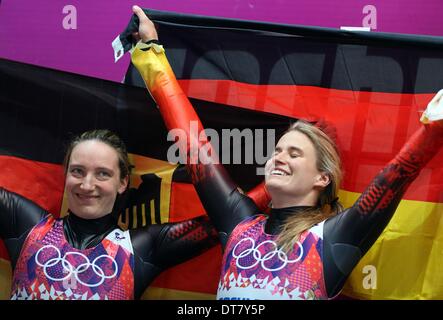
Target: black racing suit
column 156, row 247
column 347, row 236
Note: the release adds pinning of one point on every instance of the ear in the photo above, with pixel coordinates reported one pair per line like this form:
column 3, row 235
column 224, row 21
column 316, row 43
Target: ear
column 123, row 185
column 322, row 180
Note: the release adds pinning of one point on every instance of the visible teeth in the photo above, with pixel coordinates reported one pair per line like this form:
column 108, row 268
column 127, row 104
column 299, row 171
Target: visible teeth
column 278, row 172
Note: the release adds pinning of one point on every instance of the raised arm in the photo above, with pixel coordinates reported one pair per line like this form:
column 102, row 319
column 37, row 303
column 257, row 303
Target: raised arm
column 17, row 217
column 349, row 235
column 225, row 205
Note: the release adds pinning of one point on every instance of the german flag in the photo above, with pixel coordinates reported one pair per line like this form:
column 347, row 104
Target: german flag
column 243, row 74
column 371, row 86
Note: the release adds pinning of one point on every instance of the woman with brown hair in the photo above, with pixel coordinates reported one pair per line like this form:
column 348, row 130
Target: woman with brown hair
column 86, row 255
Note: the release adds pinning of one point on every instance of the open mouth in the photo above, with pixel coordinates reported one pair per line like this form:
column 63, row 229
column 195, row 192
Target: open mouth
column 86, row 197
column 279, row 172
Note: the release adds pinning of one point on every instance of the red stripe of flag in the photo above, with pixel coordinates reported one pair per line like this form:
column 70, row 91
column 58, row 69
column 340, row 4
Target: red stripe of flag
column 371, row 126
column 39, row 181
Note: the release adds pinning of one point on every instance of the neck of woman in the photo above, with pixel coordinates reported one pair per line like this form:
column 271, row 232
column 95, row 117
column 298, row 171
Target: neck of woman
column 281, row 200
column 85, row 233
column 279, row 216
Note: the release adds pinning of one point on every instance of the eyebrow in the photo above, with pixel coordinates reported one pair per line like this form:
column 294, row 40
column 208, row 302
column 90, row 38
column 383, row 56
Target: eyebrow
column 82, row 167
column 104, row 168
column 75, row 165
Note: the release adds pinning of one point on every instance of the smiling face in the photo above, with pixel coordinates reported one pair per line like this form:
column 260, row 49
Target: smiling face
column 292, row 177
column 93, row 179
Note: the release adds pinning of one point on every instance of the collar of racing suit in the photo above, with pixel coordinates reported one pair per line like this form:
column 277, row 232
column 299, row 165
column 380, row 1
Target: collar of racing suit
column 86, row 233
column 279, row 216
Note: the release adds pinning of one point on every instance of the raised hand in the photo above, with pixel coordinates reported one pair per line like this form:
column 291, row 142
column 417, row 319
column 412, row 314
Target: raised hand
column 434, row 111
column 146, row 29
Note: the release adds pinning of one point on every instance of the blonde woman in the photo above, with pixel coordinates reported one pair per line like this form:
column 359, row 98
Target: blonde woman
column 308, row 245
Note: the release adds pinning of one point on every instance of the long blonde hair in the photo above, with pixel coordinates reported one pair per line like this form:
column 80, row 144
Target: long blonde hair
column 328, row 161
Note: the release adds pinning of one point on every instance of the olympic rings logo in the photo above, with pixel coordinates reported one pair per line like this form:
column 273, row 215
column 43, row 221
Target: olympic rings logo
column 72, row 270
column 257, row 255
